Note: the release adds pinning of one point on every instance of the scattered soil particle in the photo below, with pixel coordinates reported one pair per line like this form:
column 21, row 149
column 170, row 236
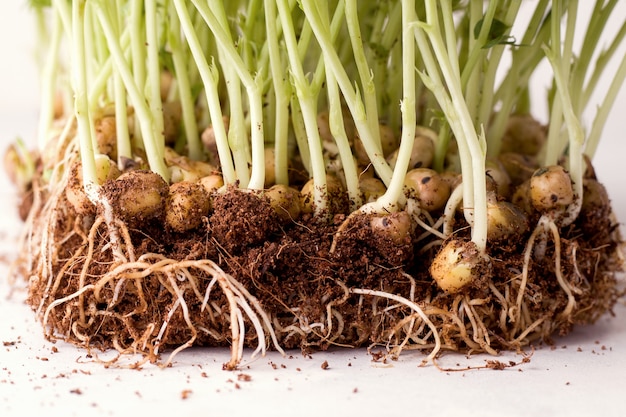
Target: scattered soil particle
column 325, row 365
column 244, row 377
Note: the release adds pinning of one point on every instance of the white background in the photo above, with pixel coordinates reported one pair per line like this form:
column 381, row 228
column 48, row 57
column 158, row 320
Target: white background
column 584, row 374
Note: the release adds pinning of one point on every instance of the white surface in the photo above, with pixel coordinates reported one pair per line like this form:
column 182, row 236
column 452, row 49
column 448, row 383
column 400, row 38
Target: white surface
column 584, row 375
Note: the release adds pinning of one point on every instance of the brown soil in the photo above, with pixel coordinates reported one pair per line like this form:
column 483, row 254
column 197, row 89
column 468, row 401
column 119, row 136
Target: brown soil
column 244, row 265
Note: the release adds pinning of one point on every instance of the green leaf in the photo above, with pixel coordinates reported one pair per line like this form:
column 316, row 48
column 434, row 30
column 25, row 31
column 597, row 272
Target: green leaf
column 166, row 60
column 497, row 34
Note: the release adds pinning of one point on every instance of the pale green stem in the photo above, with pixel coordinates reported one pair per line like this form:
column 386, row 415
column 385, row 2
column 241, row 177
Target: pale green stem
column 237, row 130
column 194, row 146
column 124, row 148
column 153, row 67
column 486, row 107
column 281, row 93
column 138, row 100
column 394, row 194
column 209, row 80
column 556, row 142
column 603, row 111
column 48, row 82
column 308, row 107
column 138, row 53
column 560, row 61
column 299, row 131
column 351, row 95
column 81, row 103
column 257, row 178
column 338, row 130
column 471, row 146
column 365, row 73
column 449, row 30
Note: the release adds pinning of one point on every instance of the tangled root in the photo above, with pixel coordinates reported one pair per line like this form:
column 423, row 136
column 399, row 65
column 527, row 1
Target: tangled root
column 99, row 284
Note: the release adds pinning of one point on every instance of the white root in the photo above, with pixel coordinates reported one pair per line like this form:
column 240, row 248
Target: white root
column 63, row 300
column 545, row 224
column 416, row 308
column 455, row 200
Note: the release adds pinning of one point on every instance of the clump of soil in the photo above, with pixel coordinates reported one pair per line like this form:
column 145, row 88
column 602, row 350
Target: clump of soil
column 246, row 278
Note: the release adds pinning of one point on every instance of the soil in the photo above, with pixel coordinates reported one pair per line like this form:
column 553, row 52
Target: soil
column 246, row 273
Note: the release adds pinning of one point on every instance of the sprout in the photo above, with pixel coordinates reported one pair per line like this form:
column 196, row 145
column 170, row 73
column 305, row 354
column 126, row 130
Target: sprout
column 407, row 127
column 186, row 205
column 395, row 227
column 285, row 201
column 137, row 196
column 427, row 186
column 459, row 265
column 551, row 188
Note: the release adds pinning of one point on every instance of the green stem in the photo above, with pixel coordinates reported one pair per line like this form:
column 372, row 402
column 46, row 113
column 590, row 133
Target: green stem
column 307, row 102
column 603, row 111
column 194, row 145
column 560, row 61
column 124, row 148
column 208, row 75
column 281, row 93
column 472, row 147
column 138, row 52
column 257, row 178
column 49, row 79
column 394, row 193
column 365, row 74
column 81, row 103
column 153, row 91
column 350, row 94
column 138, row 100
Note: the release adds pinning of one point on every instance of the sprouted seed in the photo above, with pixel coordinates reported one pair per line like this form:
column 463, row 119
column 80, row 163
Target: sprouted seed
column 303, row 174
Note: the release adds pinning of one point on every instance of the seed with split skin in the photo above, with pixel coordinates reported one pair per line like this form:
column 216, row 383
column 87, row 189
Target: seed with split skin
column 186, row 205
column 388, row 142
column 210, row 142
column 371, row 188
column 427, row 186
column 501, row 180
column 523, row 135
column 183, row 168
column 139, row 195
column 395, row 226
column 106, row 169
column 212, row 183
column 519, row 167
column 551, row 188
column 285, row 201
column 423, row 149
column 457, row 265
column 334, row 190
column 505, row 221
column 270, row 167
